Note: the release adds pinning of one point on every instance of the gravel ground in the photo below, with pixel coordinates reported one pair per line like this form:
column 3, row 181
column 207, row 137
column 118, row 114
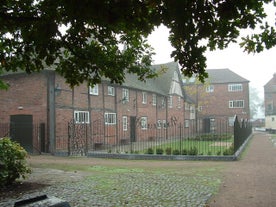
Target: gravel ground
column 121, row 187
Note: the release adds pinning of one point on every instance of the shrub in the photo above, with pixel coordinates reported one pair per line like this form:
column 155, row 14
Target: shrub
column 184, row 152
column 229, row 151
column 150, row 151
column 176, row 152
column 168, row 151
column 159, row 151
column 193, row 151
column 13, row 163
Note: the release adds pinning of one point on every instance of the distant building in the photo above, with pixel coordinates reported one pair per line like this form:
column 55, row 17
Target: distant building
column 224, row 95
column 270, row 103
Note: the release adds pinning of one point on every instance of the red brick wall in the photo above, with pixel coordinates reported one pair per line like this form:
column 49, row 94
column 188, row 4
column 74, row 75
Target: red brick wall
column 27, row 94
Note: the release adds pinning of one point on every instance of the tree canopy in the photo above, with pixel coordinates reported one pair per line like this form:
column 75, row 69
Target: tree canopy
column 82, row 40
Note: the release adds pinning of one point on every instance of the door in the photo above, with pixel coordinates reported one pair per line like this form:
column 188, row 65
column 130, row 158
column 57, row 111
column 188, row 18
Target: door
column 21, row 130
column 133, row 128
column 206, row 125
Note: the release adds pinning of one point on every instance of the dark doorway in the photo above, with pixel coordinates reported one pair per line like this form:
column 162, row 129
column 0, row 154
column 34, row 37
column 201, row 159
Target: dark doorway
column 21, row 131
column 133, row 128
column 206, row 125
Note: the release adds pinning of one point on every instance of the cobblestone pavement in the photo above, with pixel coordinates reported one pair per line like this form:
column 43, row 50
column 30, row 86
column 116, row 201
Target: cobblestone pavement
column 130, row 187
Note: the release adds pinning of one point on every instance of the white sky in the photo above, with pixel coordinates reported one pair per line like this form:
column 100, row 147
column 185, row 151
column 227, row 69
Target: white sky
column 257, row 68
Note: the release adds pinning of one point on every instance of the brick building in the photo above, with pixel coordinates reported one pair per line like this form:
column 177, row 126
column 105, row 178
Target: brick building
column 223, row 96
column 111, row 113
column 270, row 104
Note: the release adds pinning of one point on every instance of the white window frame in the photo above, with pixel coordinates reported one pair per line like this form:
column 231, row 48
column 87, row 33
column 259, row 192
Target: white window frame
column 110, row 118
column 170, row 101
column 236, row 104
column 210, row 89
column 94, row 90
column 81, row 117
column 125, row 123
column 154, row 99
column 231, row 121
column 235, row 87
column 110, row 91
column 144, row 122
column 164, row 124
column 159, row 124
column 179, row 102
column 186, row 123
column 125, row 95
column 144, row 97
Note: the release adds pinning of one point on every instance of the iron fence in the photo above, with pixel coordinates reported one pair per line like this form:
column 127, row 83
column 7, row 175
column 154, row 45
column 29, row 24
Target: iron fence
column 217, row 137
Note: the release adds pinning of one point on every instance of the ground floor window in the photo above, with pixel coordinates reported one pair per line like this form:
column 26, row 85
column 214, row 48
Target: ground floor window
column 110, row 118
column 81, row 117
column 144, row 122
column 124, row 123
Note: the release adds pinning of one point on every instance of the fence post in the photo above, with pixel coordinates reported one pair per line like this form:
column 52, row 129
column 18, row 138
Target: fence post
column 236, row 134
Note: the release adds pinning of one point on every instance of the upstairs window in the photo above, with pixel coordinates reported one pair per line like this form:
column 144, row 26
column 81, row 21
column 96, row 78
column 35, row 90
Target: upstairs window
column 170, row 101
column 234, row 87
column 81, row 117
column 110, row 91
column 154, row 99
column 210, row 89
column 125, row 95
column 94, row 90
column 144, row 97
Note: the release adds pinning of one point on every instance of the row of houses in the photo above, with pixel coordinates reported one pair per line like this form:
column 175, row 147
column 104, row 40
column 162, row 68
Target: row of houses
column 270, row 104
column 116, row 113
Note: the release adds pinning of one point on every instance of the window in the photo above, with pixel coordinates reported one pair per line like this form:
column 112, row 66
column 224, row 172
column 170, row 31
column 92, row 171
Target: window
column 231, row 121
column 144, row 122
column 236, row 104
column 144, row 97
column 187, row 107
column 159, row 124
column 164, row 124
column 235, row 87
column 179, row 102
column 124, row 123
column 94, row 90
column 154, row 99
column 163, row 103
column 110, row 118
column 186, row 123
column 210, row 89
column 170, row 101
column 81, row 117
column 125, row 95
column 110, row 91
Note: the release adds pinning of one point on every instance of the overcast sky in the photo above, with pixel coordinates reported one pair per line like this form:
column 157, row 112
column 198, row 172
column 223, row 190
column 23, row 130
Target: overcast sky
column 257, row 68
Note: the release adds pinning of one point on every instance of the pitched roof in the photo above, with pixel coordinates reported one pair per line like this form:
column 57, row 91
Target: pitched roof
column 160, row 84
column 224, row 76
column 270, row 86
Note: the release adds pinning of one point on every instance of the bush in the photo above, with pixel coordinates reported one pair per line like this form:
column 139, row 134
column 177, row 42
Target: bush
column 13, row 163
column 168, row 151
column 193, row 151
column 184, row 152
column 176, row 152
column 159, row 151
column 150, row 151
column 229, row 151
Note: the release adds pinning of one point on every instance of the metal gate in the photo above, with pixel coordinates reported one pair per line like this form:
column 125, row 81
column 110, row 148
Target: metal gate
column 77, row 139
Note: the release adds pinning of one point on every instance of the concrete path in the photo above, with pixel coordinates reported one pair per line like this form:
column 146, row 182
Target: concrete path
column 250, row 181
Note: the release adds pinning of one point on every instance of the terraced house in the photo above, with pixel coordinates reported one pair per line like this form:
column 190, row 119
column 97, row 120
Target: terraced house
column 44, row 114
column 223, row 96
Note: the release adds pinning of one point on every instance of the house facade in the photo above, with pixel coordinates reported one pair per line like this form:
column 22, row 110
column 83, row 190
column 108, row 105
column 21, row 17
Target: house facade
column 270, row 104
column 223, row 96
column 43, row 113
